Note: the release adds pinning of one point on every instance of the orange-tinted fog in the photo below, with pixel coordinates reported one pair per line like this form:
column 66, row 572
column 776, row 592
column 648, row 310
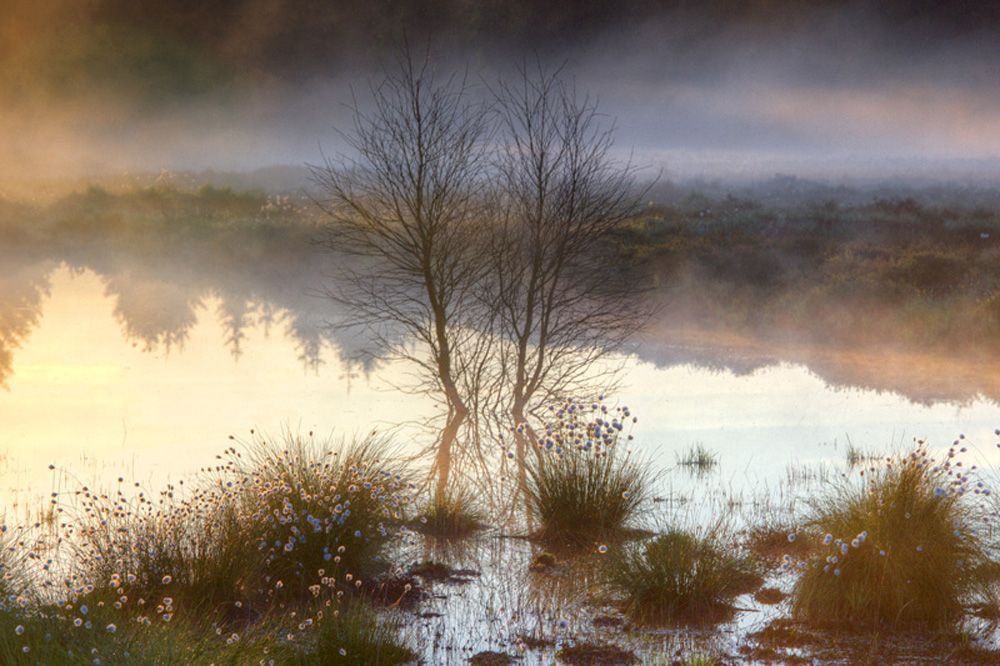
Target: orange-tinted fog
column 823, row 89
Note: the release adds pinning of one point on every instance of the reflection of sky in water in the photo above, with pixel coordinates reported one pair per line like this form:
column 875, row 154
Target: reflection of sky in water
column 79, row 392
column 84, row 398
column 762, row 422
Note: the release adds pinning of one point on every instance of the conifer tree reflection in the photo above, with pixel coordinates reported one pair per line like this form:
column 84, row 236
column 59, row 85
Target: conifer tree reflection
column 24, row 286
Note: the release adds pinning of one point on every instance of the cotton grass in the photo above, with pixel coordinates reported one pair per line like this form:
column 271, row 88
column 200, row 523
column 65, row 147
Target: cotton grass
column 901, row 544
column 586, row 485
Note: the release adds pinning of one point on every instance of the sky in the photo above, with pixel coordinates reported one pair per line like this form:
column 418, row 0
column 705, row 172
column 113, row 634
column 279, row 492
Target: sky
column 714, row 88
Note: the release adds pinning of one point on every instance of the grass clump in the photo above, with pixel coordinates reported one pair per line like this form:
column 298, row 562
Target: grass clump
column 352, row 635
column 263, row 557
column 310, row 505
column 585, row 484
column 698, row 457
column 451, row 515
column 269, row 524
column 132, row 546
column 901, row 545
column 679, row 577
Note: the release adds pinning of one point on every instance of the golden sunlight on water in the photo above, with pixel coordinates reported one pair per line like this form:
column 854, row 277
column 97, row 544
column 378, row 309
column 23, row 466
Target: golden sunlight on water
column 84, row 398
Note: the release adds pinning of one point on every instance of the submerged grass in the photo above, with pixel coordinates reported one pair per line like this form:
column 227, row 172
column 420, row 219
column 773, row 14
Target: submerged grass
column 698, row 457
column 902, row 545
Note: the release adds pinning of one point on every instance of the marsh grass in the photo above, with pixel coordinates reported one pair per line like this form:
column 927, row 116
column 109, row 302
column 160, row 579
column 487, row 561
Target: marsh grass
column 698, row 457
column 352, row 634
column 580, row 498
column 901, row 545
column 192, row 551
column 213, row 574
column 855, row 456
column 452, row 515
column 680, row 576
column 50, row 635
column 308, row 505
column 586, row 485
column 263, row 524
column 13, row 560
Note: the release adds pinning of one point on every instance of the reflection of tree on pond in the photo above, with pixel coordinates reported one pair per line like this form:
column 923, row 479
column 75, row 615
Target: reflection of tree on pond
column 154, row 311
column 159, row 290
column 24, row 284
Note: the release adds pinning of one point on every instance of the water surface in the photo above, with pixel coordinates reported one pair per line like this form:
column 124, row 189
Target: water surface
column 146, row 372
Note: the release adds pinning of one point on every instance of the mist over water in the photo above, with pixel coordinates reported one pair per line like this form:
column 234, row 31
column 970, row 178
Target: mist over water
column 152, row 365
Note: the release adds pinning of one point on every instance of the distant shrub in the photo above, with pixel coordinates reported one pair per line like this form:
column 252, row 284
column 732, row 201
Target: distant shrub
column 930, row 272
column 900, row 545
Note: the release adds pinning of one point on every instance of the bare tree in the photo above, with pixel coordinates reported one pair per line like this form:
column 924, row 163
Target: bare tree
column 408, row 209
column 561, row 296
column 491, row 265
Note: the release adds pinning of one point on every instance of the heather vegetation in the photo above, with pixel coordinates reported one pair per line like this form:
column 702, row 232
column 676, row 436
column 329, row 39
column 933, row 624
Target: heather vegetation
column 910, row 273
column 876, row 272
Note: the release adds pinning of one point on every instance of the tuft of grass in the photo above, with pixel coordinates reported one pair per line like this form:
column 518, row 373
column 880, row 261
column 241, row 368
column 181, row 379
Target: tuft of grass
column 352, row 635
column 191, row 550
column 901, row 545
column 698, row 457
column 585, row 485
column 452, row 515
column 308, row 506
column 855, row 456
column 582, row 497
column 270, row 522
column 679, row 577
